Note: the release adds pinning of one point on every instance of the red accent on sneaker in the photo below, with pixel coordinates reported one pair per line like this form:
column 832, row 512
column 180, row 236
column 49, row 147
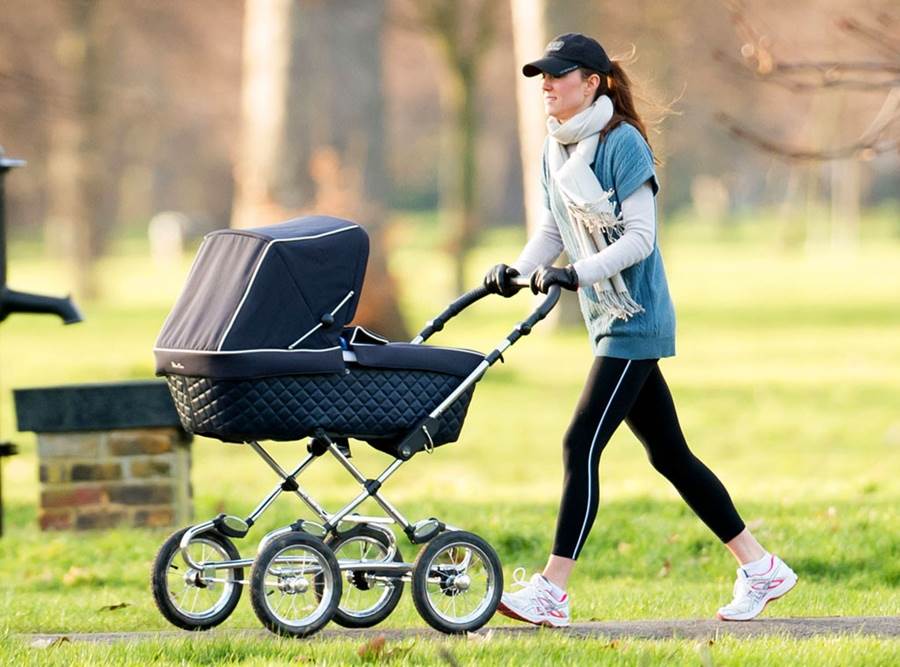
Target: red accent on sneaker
column 767, row 585
column 509, row 613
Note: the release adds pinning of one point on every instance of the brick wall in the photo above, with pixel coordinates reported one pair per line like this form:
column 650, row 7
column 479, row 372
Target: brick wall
column 127, row 477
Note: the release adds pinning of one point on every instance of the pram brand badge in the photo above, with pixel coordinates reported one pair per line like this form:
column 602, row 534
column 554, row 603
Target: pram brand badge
column 175, row 364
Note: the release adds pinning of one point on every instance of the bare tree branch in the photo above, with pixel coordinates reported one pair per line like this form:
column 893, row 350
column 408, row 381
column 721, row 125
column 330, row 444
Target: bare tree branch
column 859, row 150
column 758, row 61
column 886, row 42
column 805, row 76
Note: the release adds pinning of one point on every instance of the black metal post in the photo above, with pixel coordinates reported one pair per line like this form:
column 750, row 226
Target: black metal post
column 6, row 449
column 5, row 165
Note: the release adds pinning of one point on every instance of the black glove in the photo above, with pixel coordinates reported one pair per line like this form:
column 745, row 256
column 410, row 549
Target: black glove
column 545, row 276
column 497, row 280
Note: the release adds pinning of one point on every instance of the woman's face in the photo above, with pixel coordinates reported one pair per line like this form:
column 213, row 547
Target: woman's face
column 565, row 96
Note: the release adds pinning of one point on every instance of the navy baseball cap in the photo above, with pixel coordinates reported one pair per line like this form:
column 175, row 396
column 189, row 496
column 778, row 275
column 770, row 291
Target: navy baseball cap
column 569, row 52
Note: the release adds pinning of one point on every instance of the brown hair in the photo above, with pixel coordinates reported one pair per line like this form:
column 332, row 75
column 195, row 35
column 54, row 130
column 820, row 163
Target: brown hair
column 617, row 86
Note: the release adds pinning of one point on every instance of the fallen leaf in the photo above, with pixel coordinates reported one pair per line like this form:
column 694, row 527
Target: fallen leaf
column 614, row 644
column 665, row 569
column 623, row 547
column 674, row 537
column 49, row 642
column 113, row 607
column 372, row 648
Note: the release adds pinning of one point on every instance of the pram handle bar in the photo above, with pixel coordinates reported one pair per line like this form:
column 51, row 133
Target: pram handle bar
column 467, row 299
column 454, row 309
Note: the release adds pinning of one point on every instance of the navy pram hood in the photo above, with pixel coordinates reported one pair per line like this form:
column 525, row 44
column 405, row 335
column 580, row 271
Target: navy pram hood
column 267, row 301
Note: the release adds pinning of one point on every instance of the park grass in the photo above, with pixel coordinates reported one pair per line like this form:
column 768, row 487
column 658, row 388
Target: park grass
column 786, row 383
column 539, row 650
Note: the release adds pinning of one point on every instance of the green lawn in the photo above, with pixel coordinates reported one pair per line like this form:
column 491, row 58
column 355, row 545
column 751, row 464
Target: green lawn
column 786, row 381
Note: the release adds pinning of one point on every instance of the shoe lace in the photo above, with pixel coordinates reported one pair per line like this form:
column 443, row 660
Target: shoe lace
column 535, row 599
column 519, row 578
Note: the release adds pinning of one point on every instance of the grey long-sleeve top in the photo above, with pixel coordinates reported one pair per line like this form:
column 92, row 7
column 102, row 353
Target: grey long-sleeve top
column 635, row 244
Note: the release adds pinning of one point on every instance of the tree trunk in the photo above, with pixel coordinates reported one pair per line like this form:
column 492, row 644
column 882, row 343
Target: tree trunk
column 466, row 130
column 264, row 104
column 313, row 128
column 529, row 38
column 76, row 168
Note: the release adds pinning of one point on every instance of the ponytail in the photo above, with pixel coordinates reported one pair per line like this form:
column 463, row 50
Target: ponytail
column 617, row 86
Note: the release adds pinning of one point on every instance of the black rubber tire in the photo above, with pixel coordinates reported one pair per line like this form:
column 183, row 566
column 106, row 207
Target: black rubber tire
column 420, row 576
column 258, row 592
column 159, row 582
column 341, row 617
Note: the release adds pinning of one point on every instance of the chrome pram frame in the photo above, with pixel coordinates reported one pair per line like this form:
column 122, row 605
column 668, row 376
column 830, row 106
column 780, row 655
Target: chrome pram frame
column 308, row 534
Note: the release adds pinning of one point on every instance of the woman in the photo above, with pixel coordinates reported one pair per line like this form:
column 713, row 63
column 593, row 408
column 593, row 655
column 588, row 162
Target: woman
column 599, row 185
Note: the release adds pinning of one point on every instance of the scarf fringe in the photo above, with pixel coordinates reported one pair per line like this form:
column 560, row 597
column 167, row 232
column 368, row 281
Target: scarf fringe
column 609, row 303
column 597, row 217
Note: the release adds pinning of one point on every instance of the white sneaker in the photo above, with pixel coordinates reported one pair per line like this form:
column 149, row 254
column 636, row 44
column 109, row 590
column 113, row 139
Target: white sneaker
column 753, row 593
column 535, row 602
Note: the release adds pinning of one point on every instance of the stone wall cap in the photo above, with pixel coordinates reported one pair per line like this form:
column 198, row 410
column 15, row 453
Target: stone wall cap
column 98, row 406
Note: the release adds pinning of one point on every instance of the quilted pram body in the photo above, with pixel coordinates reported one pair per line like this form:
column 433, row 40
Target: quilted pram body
column 256, row 348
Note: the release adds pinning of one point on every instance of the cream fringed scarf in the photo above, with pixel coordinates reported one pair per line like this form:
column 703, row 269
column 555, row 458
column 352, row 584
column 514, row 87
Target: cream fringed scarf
column 587, row 206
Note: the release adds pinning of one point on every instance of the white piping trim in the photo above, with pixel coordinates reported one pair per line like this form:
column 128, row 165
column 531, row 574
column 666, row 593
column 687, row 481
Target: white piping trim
column 259, row 264
column 357, row 329
column 587, row 510
column 169, row 349
column 319, row 325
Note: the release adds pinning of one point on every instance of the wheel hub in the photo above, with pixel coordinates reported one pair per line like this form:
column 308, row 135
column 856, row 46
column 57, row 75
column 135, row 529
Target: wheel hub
column 294, row 585
column 194, row 578
column 462, row 582
column 454, row 584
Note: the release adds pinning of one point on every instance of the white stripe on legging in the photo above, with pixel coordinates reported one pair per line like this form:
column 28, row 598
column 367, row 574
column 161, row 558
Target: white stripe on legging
column 587, row 510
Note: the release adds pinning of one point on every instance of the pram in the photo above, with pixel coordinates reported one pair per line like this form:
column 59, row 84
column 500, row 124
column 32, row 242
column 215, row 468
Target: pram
column 257, row 348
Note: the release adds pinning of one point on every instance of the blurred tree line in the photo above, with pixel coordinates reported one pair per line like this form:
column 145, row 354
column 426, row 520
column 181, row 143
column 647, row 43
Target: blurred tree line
column 243, row 113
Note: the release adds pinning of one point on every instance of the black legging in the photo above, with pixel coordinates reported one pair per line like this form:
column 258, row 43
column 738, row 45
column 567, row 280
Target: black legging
column 634, row 391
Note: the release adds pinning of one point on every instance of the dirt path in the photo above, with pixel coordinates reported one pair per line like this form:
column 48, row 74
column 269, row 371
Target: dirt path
column 881, row 626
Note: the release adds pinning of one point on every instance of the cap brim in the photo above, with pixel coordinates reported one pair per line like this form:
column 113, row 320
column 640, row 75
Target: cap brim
column 550, row 65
